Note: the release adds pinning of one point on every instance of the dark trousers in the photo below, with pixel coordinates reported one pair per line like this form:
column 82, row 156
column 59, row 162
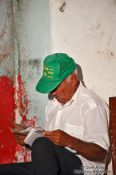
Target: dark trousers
column 47, row 159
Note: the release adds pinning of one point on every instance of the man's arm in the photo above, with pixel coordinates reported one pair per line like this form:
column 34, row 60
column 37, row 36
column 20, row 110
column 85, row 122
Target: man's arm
column 88, row 150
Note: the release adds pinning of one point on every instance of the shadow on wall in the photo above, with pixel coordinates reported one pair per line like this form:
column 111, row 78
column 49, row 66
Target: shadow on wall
column 80, row 74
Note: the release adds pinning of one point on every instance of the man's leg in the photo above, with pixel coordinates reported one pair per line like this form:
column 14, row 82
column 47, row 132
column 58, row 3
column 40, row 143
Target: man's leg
column 47, row 158
column 16, row 169
column 70, row 164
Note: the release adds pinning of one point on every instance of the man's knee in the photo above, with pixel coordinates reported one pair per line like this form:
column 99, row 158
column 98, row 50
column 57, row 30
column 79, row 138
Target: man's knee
column 42, row 143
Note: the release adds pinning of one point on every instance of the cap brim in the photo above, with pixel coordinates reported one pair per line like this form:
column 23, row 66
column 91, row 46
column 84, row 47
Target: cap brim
column 45, row 86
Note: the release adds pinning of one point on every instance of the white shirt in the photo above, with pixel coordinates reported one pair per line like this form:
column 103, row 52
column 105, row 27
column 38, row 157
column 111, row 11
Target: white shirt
column 85, row 117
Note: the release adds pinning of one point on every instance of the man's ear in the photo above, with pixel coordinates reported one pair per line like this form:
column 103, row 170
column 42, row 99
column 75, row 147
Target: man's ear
column 73, row 77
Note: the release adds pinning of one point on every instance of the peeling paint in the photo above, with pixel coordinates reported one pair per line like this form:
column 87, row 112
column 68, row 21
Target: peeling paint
column 23, row 104
column 22, row 97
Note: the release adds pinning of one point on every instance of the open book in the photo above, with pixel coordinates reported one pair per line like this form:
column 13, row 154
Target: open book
column 32, row 134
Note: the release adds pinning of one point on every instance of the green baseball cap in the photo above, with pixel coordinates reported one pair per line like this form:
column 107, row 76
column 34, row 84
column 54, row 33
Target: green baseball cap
column 56, row 68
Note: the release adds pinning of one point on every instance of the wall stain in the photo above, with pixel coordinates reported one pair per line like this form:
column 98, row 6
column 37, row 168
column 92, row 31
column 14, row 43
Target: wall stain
column 96, row 26
column 3, row 55
column 108, row 54
column 62, row 7
column 6, row 52
column 2, row 33
column 33, row 62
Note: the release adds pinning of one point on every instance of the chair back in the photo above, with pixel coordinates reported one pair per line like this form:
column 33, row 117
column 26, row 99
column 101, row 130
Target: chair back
column 112, row 131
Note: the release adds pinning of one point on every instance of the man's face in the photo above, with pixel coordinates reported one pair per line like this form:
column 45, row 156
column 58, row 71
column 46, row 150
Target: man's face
column 64, row 92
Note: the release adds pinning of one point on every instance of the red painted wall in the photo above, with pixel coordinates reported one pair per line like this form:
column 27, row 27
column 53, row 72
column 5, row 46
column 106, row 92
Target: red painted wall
column 10, row 151
column 7, row 118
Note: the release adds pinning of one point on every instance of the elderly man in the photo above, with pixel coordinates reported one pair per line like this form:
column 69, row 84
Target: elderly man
column 76, row 128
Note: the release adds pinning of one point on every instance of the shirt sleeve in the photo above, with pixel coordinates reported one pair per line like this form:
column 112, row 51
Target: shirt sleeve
column 96, row 126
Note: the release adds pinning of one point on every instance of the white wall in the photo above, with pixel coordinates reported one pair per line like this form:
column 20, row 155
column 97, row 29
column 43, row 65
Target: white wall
column 86, row 31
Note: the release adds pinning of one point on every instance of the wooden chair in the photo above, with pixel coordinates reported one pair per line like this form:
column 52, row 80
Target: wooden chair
column 112, row 131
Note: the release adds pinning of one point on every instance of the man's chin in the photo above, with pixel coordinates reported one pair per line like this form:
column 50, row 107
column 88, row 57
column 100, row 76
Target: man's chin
column 61, row 101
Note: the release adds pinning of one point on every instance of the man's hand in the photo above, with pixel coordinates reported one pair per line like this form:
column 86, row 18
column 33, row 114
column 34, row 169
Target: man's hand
column 58, row 137
column 18, row 127
column 19, row 136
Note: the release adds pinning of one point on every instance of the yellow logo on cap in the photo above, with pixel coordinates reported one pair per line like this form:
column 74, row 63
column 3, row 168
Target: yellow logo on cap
column 48, row 72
